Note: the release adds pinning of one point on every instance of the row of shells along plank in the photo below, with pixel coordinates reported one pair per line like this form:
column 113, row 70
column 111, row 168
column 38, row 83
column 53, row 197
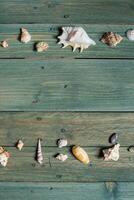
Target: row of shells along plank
column 76, row 37
column 110, row 153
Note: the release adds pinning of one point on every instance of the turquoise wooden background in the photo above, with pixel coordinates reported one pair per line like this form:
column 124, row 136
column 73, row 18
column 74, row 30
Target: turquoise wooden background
column 83, row 97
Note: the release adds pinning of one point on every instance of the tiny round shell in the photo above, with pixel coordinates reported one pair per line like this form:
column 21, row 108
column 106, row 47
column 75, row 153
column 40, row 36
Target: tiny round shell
column 130, row 35
column 80, row 154
column 62, row 143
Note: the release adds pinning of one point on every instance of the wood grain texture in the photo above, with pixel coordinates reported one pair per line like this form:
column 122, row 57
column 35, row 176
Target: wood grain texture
column 49, row 33
column 23, row 167
column 66, row 85
column 52, row 191
column 85, row 129
column 72, row 11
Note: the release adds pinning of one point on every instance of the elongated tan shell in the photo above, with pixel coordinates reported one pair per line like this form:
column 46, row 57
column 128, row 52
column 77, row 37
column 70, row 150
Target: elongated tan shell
column 25, row 36
column 80, row 154
column 39, row 156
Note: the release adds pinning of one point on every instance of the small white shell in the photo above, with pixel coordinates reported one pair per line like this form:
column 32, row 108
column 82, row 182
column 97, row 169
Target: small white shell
column 4, row 44
column 25, row 36
column 62, row 143
column 130, row 35
column 61, row 157
column 39, row 156
column 19, row 145
column 75, row 37
column 42, row 46
column 4, row 156
column 112, row 153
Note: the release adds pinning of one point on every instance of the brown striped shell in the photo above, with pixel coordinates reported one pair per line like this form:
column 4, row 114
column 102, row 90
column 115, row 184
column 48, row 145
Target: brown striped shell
column 80, row 154
column 111, row 39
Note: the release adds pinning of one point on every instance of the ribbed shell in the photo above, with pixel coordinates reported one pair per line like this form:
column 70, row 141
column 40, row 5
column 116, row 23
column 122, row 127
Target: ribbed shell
column 80, row 154
column 39, row 156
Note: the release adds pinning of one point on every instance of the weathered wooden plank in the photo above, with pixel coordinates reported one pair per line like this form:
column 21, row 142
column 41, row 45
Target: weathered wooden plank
column 62, row 11
column 49, row 33
column 23, row 167
column 86, row 129
column 66, row 85
column 54, row 191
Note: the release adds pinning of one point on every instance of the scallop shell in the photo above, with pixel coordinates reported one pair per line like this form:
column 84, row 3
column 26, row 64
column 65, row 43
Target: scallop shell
column 41, row 46
column 25, row 36
column 111, row 39
column 80, row 154
column 62, row 143
column 19, row 145
column 62, row 157
column 112, row 153
column 39, row 156
column 75, row 37
column 130, row 35
column 4, row 156
column 4, row 44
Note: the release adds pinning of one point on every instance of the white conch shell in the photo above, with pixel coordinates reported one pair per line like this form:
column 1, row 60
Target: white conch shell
column 19, row 145
column 4, row 156
column 62, row 143
column 61, row 157
column 42, row 46
column 130, row 35
column 75, row 37
column 25, row 36
column 39, row 156
column 4, row 44
column 112, row 153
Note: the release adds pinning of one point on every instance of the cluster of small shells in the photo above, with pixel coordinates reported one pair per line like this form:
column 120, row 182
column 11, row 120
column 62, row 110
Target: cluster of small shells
column 76, row 37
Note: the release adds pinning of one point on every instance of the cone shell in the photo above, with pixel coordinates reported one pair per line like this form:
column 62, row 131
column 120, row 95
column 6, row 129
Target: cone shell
column 25, row 36
column 111, row 39
column 75, row 37
column 80, row 154
column 39, row 156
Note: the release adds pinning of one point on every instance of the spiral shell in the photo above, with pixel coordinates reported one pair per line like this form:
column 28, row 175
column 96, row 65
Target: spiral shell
column 25, row 36
column 39, row 156
column 80, row 154
column 75, row 37
column 42, row 46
